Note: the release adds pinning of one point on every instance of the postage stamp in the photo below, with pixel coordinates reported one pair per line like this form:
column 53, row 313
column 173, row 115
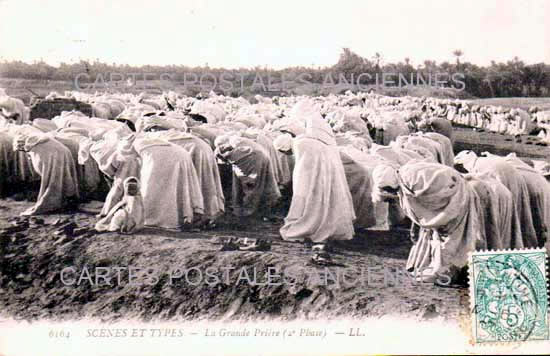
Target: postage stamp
column 509, row 295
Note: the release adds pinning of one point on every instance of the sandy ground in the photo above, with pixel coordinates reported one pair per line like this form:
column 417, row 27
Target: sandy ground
column 31, row 261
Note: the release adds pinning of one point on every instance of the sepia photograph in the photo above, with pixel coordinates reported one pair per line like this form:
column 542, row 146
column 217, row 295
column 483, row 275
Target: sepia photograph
column 208, row 177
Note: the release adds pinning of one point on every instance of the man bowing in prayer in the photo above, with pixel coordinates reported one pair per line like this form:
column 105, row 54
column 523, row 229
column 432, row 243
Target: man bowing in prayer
column 321, row 208
column 254, row 187
column 55, row 164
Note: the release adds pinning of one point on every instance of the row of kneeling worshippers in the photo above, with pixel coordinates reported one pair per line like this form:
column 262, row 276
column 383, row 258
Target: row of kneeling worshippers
column 497, row 119
column 178, row 165
column 177, row 170
column 217, row 108
column 496, row 203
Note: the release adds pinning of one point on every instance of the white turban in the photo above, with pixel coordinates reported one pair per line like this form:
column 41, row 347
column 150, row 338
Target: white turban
column 361, row 143
column 542, row 167
column 303, row 109
column 383, row 176
column 8, row 105
column 251, row 133
column 289, row 125
column 84, row 148
column 283, row 142
column 220, row 140
column 236, row 140
column 24, row 142
column 466, row 159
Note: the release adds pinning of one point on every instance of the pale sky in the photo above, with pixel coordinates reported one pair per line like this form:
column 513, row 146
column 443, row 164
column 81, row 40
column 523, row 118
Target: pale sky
column 276, row 33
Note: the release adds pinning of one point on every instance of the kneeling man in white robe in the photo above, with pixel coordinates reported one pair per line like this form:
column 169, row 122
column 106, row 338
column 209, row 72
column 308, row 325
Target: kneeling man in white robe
column 127, row 216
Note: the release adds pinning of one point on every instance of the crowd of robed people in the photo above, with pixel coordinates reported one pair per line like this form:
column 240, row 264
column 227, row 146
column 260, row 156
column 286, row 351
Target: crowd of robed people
column 345, row 162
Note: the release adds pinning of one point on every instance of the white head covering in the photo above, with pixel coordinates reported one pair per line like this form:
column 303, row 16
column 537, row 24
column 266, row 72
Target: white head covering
column 289, row 125
column 237, row 140
column 542, row 167
column 283, row 142
column 8, row 105
column 384, row 175
column 221, row 140
column 127, row 216
column 316, row 127
column 27, row 142
column 467, row 159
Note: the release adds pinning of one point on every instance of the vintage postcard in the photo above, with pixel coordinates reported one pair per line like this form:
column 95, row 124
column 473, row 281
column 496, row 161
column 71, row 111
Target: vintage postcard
column 208, row 177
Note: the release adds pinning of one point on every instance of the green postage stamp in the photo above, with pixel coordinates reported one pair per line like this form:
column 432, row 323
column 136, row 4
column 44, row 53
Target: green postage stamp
column 509, row 295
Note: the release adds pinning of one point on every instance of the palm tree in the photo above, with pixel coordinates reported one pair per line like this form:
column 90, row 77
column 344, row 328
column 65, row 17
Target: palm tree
column 430, row 65
column 377, row 58
column 457, row 53
column 487, row 80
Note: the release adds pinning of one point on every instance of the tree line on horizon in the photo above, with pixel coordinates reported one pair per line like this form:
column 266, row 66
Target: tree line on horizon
column 513, row 78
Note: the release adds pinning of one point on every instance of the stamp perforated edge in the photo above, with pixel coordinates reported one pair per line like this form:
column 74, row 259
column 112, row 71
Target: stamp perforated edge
column 510, row 345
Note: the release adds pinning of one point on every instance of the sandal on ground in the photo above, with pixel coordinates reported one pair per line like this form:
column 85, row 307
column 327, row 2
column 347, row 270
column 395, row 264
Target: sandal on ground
column 36, row 220
column 230, row 245
column 320, row 255
column 256, row 245
column 209, row 225
column 451, row 285
column 322, row 259
column 246, row 244
column 221, row 239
